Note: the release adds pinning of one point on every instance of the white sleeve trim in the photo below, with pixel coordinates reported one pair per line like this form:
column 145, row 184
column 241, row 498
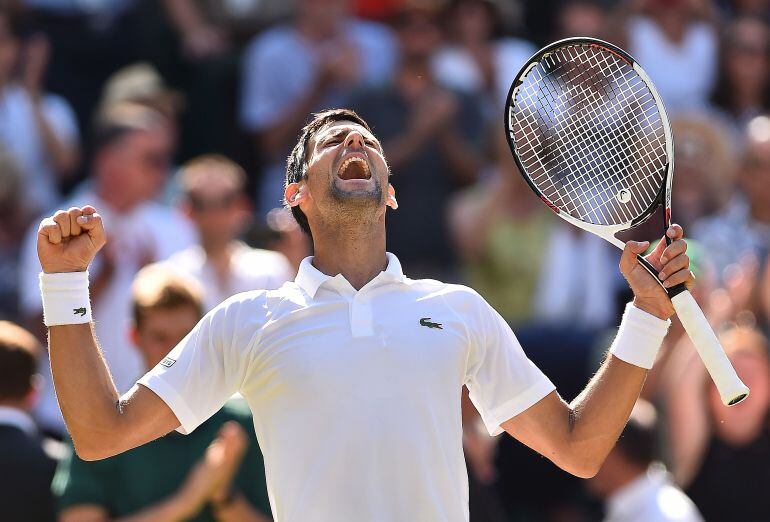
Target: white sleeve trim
column 523, row 401
column 184, row 414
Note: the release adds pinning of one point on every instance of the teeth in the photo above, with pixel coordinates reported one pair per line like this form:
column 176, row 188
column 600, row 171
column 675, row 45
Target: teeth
column 348, row 161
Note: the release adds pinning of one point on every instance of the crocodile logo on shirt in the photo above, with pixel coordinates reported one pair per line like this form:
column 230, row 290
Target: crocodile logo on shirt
column 79, row 311
column 425, row 321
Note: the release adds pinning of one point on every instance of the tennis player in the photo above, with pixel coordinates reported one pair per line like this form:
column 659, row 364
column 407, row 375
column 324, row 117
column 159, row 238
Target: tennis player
column 353, row 371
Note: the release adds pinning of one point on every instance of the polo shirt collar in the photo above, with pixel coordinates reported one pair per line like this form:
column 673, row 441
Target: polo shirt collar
column 310, row 279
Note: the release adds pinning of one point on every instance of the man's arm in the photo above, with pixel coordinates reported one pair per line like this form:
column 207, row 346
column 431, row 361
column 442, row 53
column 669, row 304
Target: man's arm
column 101, row 424
column 578, row 436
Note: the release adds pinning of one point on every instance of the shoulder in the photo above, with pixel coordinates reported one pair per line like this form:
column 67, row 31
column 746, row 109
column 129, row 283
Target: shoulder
column 255, row 306
column 456, row 295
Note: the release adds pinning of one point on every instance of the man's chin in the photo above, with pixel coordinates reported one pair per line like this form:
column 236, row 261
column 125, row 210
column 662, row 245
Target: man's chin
column 356, row 189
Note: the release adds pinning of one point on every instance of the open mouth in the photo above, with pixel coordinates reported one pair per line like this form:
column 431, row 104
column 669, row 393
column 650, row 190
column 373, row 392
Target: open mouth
column 355, row 167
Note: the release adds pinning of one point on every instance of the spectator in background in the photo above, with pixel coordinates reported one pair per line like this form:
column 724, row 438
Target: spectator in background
column 676, row 43
column 26, row 468
column 132, row 149
column 742, row 90
column 432, row 138
column 720, row 455
column 581, row 18
column 13, row 221
column 292, row 70
column 748, row 211
column 501, row 231
column 201, row 477
column 214, row 200
column 514, row 253
column 705, row 158
column 477, row 59
column 38, row 129
column 141, row 83
column 634, row 487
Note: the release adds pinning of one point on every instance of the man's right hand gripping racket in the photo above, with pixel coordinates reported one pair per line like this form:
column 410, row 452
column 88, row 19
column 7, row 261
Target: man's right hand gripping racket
column 591, row 137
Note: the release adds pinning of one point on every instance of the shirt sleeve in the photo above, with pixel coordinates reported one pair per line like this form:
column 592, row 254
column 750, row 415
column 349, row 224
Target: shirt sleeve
column 501, row 380
column 205, row 369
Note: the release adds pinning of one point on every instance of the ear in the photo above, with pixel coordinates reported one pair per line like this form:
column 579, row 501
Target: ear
column 295, row 194
column 391, row 202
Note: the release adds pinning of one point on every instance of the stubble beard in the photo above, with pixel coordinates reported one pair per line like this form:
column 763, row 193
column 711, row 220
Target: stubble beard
column 360, row 206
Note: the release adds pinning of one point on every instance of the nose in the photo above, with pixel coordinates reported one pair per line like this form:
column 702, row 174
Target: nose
column 354, row 140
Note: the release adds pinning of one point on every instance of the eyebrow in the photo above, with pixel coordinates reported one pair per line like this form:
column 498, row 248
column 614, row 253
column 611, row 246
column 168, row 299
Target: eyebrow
column 341, row 131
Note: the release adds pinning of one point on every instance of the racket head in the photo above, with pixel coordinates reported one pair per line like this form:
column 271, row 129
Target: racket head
column 610, row 132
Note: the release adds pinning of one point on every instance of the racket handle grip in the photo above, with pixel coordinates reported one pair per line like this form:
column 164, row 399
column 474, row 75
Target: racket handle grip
column 731, row 388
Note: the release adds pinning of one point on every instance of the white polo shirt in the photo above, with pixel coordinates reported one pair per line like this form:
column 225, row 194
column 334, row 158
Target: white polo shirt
column 355, row 394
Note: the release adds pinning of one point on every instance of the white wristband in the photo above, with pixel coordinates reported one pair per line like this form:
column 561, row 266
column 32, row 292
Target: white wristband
column 639, row 337
column 65, row 298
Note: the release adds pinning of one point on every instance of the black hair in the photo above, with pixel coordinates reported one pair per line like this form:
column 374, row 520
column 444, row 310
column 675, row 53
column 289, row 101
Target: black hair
column 296, row 164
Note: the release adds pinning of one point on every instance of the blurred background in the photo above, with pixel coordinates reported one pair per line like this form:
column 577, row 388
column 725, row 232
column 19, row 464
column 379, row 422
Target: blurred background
column 175, row 118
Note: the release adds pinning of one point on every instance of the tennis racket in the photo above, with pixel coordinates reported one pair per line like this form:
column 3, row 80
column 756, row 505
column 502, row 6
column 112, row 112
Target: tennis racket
column 591, row 137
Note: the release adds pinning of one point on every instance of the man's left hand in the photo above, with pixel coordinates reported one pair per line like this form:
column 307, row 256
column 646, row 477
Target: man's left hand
column 672, row 264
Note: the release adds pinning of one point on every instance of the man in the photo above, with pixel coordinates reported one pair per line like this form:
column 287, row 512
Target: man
column 25, row 460
column 354, row 371
column 312, row 63
column 749, row 210
column 132, row 150
column 214, row 201
column 39, row 129
column 635, row 488
column 174, row 477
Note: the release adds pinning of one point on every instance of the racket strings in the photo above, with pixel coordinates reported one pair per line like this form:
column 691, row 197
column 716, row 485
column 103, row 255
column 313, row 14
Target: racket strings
column 589, row 135
column 602, row 144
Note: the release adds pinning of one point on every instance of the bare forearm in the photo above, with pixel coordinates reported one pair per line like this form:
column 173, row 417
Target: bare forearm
column 599, row 414
column 87, row 396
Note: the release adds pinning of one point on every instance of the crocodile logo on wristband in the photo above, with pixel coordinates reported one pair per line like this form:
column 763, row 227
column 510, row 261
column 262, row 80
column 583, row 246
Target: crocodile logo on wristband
column 79, row 311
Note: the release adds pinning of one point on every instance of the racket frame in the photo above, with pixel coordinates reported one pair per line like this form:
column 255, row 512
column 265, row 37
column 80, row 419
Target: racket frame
column 608, row 232
column 732, row 390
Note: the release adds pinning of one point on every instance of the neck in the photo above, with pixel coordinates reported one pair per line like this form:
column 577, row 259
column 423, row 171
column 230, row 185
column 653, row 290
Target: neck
column 359, row 255
column 216, row 249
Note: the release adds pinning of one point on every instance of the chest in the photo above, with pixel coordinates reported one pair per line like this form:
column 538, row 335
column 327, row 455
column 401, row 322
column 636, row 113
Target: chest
column 351, row 350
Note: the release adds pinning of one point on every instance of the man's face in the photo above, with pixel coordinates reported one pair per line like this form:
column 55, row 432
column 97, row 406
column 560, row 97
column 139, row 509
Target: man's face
column 161, row 330
column 218, row 210
column 137, row 165
column 346, row 170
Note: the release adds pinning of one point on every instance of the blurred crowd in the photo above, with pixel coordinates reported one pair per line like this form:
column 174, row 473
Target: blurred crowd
column 174, row 119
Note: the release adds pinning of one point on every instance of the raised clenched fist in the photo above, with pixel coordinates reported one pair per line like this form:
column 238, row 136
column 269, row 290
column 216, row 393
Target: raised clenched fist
column 69, row 240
